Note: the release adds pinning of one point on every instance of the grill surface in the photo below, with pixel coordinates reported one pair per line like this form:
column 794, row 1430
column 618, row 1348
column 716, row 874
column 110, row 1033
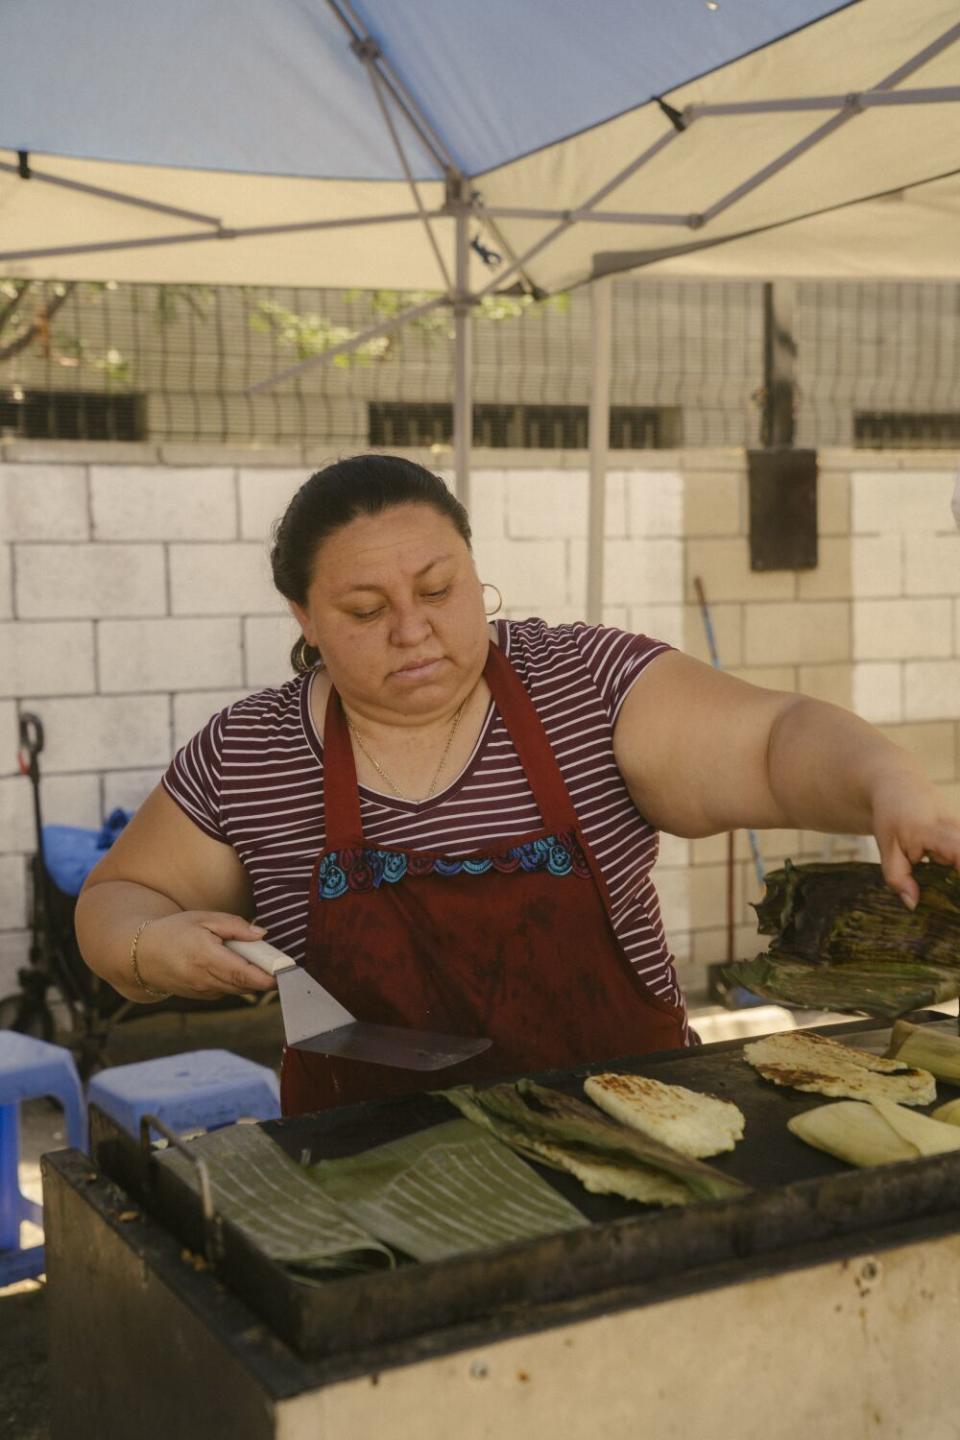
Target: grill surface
column 802, row 1197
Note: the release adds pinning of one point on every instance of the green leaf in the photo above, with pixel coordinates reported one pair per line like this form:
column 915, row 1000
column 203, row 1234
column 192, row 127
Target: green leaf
column 310, row 335
column 273, row 1201
column 445, row 1191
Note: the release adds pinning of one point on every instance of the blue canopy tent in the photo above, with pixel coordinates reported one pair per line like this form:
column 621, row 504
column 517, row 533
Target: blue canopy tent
column 461, row 149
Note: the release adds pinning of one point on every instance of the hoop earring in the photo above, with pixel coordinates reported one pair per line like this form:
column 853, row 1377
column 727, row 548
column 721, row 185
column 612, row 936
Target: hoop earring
column 499, row 605
column 305, row 657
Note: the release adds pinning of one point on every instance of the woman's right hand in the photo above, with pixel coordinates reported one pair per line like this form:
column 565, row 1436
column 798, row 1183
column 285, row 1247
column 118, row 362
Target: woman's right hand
column 183, row 954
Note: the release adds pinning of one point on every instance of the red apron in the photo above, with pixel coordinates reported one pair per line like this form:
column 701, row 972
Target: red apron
column 513, row 941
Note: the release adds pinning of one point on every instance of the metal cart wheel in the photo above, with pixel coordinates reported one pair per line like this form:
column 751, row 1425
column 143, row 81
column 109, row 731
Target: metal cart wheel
column 27, row 1014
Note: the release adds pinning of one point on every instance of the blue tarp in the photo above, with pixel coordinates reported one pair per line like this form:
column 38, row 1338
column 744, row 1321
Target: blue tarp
column 273, row 88
column 70, row 851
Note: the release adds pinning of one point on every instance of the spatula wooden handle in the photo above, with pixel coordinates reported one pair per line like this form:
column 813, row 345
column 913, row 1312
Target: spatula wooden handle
column 266, row 957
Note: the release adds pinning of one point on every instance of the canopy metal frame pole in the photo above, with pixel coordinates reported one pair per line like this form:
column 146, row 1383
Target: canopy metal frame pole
column 601, row 355
column 246, row 232
column 620, row 261
column 462, row 359
column 858, row 99
column 366, row 47
column 386, row 83
column 611, row 217
column 378, row 90
column 384, row 78
column 457, row 291
column 584, row 210
column 26, row 171
column 853, row 107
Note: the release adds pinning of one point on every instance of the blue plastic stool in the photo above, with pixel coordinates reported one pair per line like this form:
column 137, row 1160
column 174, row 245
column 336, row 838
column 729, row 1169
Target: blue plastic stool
column 28, row 1069
column 202, row 1089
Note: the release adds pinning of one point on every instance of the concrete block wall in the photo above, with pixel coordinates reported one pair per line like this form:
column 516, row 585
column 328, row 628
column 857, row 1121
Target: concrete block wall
column 135, row 600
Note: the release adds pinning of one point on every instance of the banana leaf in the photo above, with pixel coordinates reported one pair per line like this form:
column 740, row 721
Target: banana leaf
column 445, row 1191
column 274, row 1201
column 842, row 940
column 886, row 990
column 837, row 914
column 558, row 1130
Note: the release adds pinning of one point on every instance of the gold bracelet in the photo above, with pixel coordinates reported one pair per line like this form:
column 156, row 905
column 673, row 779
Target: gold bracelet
column 154, row 994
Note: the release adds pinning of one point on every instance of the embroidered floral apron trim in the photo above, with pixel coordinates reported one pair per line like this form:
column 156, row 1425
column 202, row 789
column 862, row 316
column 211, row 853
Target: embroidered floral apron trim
column 357, row 870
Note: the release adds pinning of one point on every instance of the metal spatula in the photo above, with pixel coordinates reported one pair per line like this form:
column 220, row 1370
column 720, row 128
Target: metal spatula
column 314, row 1020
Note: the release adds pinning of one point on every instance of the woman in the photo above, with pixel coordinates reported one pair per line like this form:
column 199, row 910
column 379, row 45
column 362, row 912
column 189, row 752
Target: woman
column 452, row 823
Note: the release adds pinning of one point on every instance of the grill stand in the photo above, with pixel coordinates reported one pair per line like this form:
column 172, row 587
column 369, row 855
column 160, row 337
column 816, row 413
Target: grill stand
column 841, row 1338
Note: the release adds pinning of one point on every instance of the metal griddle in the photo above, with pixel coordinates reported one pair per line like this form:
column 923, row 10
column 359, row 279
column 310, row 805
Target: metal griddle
column 801, row 1196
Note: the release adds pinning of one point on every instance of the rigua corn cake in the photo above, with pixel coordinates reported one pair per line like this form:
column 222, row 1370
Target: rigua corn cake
column 697, row 1125
column 878, row 1133
column 927, row 1047
column 804, row 1061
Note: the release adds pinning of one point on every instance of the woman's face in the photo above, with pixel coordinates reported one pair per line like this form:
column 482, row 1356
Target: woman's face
column 396, row 610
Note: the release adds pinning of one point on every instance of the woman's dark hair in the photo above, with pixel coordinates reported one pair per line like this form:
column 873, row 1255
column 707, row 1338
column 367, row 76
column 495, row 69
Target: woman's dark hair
column 360, row 485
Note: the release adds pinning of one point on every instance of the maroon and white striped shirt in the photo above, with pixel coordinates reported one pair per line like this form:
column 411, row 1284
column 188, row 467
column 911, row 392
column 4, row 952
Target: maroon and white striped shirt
column 253, row 777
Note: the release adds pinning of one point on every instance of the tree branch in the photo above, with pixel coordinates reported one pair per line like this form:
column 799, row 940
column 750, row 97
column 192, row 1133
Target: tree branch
column 39, row 326
column 10, row 309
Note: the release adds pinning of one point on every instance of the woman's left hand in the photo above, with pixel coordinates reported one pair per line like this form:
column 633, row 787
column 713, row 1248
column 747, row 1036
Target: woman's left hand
column 910, row 821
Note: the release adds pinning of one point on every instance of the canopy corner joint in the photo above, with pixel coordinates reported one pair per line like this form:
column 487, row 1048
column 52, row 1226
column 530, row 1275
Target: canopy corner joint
column 678, row 118
column 366, row 49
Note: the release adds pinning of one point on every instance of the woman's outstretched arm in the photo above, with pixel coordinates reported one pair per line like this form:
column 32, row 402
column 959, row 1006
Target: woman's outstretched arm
column 702, row 752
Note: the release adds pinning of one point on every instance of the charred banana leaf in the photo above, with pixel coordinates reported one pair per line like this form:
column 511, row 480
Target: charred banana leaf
column 843, row 913
column 886, row 990
column 607, row 1157
column 842, row 940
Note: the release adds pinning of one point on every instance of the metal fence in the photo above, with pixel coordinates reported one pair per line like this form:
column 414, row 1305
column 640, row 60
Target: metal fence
column 876, row 364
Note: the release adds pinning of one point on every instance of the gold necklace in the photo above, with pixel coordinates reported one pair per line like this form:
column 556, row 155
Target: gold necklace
column 436, row 774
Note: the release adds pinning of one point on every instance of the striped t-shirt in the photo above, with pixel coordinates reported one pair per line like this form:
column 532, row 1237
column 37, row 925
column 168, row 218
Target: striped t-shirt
column 253, row 777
